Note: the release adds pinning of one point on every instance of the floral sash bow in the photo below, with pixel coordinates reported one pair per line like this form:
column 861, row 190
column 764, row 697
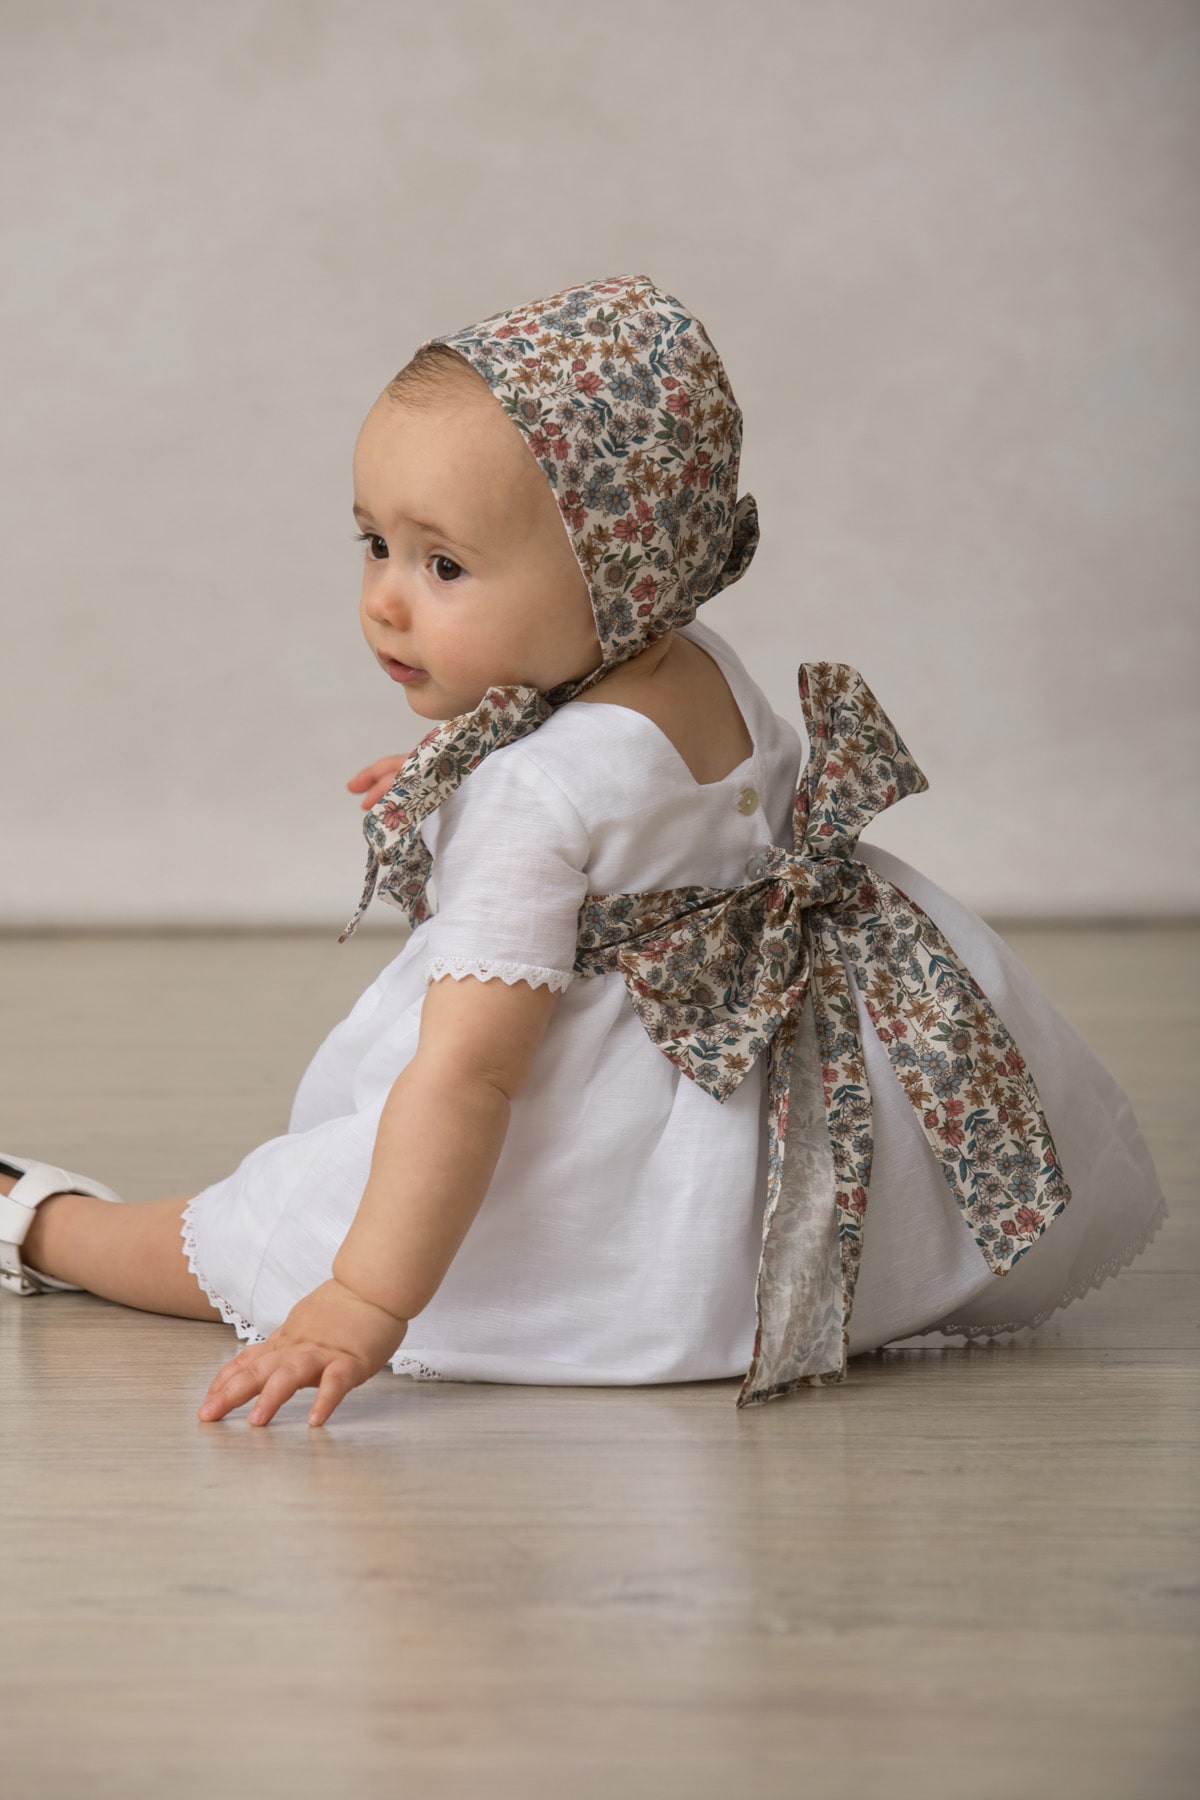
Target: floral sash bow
column 718, row 976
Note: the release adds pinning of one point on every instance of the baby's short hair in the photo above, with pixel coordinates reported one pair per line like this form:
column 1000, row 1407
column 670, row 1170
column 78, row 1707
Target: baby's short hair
column 432, row 372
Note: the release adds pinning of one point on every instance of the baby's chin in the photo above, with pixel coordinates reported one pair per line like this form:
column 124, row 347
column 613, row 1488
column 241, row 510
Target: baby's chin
column 437, row 705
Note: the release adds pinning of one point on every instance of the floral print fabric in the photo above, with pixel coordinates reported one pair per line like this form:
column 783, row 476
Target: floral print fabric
column 720, row 976
column 624, row 402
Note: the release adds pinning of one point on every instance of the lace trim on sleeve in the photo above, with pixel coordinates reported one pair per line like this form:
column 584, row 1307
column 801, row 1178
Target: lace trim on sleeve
column 487, row 970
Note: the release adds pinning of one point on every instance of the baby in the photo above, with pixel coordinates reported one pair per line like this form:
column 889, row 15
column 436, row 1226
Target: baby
column 526, row 1155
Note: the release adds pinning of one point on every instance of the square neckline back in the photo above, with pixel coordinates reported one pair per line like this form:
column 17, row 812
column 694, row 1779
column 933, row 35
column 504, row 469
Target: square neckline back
column 739, row 700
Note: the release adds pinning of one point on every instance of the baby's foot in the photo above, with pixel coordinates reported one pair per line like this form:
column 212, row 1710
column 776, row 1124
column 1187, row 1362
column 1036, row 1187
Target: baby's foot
column 32, row 1246
column 9, row 1178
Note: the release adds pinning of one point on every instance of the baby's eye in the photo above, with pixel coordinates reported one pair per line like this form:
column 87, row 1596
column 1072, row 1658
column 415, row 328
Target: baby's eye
column 372, row 540
column 456, row 566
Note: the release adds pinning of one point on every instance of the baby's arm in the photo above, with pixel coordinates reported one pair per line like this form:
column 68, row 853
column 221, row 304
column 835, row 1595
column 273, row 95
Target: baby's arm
column 439, row 1138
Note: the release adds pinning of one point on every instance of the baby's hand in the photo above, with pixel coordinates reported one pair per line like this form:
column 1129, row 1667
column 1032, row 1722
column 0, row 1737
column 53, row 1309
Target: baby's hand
column 331, row 1340
column 377, row 779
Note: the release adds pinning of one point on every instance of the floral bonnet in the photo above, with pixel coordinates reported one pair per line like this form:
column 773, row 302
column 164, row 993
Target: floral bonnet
column 621, row 397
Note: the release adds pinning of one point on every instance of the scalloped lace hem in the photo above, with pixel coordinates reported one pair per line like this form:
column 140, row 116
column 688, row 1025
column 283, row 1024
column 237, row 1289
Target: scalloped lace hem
column 418, row 1371
column 507, row 972
column 1112, row 1265
column 243, row 1327
column 402, row 1365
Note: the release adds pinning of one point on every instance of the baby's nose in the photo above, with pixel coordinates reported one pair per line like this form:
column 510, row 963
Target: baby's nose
column 387, row 604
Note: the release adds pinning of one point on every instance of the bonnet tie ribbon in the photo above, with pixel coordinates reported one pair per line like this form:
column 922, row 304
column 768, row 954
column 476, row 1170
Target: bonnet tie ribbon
column 718, row 976
column 429, row 774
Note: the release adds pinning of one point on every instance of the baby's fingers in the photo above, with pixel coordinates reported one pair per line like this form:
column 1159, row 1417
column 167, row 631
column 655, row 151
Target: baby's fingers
column 377, row 778
column 232, row 1385
column 376, row 793
column 383, row 766
column 281, row 1384
column 336, row 1383
column 333, row 1381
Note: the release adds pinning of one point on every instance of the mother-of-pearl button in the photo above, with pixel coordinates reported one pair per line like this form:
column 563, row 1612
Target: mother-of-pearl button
column 756, row 868
column 747, row 800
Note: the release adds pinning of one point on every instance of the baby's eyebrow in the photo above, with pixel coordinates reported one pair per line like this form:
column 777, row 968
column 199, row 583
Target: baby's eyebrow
column 364, row 518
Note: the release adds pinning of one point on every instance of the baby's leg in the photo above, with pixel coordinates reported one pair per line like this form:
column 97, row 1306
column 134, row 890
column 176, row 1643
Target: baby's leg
column 132, row 1253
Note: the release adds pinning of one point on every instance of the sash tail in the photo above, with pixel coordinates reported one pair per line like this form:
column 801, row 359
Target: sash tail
column 961, row 1071
column 801, row 1298
column 367, row 896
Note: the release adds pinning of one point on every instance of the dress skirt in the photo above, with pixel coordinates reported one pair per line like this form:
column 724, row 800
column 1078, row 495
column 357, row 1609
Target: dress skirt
column 267, row 1234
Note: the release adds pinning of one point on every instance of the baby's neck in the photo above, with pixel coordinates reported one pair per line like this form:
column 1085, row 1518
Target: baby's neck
column 682, row 690
column 629, row 676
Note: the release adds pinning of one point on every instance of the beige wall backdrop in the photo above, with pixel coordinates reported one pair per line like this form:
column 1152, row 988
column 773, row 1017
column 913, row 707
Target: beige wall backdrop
column 948, row 250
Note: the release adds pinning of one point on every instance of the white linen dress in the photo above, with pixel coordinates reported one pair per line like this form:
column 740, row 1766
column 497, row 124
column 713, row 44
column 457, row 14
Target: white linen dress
column 620, row 1236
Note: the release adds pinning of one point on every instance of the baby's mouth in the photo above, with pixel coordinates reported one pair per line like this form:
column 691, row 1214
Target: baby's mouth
column 402, row 671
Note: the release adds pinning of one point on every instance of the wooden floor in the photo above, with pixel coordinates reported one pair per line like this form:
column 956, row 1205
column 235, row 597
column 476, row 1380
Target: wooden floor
column 967, row 1572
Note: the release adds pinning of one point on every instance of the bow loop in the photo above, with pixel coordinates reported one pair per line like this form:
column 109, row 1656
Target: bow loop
column 858, row 763
column 712, row 984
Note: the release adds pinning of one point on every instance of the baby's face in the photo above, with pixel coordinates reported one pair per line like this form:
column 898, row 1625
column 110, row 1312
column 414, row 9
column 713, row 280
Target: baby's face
column 469, row 578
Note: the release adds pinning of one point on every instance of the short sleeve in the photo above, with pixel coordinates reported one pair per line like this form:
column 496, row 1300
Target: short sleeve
column 509, row 851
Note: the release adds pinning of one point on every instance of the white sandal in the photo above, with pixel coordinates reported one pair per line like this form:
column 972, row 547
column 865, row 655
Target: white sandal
column 36, row 1182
